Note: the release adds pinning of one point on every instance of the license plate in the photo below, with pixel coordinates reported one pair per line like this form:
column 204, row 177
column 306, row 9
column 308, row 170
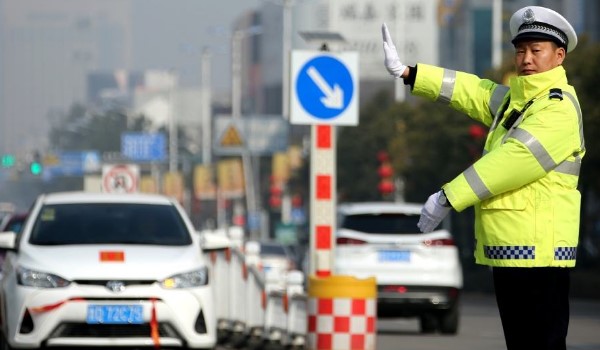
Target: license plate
column 393, row 255
column 115, row 314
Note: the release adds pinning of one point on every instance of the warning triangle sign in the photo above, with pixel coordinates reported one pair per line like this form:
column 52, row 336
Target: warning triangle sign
column 231, row 137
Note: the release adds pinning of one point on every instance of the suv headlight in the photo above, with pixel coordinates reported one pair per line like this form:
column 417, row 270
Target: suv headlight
column 191, row 279
column 38, row 279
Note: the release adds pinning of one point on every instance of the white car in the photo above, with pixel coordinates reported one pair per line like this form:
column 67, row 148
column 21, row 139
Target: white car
column 418, row 274
column 93, row 269
column 276, row 256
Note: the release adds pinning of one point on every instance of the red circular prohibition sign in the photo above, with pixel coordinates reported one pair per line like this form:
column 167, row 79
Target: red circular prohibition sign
column 120, row 179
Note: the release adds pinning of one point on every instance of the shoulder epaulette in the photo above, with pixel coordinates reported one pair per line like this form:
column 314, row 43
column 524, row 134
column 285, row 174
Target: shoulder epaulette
column 555, row 94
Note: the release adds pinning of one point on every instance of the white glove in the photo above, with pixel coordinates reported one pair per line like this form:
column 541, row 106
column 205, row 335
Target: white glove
column 432, row 213
column 392, row 61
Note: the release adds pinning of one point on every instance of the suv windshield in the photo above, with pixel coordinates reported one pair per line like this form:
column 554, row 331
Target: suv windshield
column 272, row 249
column 109, row 223
column 381, row 223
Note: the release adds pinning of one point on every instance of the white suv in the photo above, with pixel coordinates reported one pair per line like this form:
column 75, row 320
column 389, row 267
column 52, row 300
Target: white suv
column 418, row 274
column 93, row 269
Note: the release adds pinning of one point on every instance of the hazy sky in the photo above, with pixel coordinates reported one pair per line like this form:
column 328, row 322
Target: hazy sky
column 174, row 32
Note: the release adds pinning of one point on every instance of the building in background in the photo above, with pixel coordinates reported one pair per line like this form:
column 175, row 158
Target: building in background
column 50, row 48
column 412, row 23
column 456, row 34
column 113, row 89
column 47, row 50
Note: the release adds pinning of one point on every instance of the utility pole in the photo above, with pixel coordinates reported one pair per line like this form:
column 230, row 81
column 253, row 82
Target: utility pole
column 236, row 79
column 173, row 137
column 496, row 33
column 205, row 87
column 286, row 44
column 236, row 110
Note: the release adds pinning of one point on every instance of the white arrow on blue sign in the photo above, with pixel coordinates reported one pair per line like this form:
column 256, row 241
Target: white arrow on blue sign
column 324, row 88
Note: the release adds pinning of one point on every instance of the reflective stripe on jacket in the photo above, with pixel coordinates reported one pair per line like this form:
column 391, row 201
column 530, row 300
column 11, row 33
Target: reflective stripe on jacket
column 524, row 187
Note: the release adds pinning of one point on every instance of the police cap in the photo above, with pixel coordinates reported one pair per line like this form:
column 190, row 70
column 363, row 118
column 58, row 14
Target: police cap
column 536, row 22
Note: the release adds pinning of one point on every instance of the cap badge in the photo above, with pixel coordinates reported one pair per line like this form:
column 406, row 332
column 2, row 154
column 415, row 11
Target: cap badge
column 528, row 16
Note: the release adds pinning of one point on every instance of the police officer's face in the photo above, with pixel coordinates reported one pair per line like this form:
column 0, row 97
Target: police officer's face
column 534, row 56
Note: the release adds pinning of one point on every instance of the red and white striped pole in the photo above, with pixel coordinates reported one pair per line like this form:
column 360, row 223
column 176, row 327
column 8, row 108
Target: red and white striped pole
column 323, row 199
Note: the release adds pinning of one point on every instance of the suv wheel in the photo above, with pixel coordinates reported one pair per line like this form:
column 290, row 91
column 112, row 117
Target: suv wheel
column 448, row 320
column 428, row 323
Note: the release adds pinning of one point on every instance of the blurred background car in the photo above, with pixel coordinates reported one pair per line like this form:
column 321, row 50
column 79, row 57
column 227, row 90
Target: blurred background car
column 11, row 222
column 418, row 274
column 98, row 269
column 276, row 256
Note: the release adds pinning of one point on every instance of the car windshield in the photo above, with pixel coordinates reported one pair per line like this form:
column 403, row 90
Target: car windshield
column 109, row 223
column 389, row 223
column 272, row 249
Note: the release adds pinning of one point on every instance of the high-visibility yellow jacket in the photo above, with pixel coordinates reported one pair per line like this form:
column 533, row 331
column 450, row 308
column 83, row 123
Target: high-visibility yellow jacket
column 524, row 187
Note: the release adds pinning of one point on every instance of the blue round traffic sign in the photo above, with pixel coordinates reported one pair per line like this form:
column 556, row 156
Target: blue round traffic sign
column 324, row 87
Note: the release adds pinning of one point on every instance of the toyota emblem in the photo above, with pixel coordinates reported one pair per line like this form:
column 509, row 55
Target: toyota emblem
column 115, row 286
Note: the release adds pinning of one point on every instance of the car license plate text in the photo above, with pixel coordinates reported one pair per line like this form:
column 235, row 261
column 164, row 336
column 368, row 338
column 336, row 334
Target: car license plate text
column 393, row 255
column 115, row 314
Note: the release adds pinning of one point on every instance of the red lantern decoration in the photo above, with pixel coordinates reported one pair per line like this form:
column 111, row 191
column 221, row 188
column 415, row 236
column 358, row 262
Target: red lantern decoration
column 386, row 174
column 296, row 201
column 386, row 186
column 385, row 170
column 383, row 156
column 275, row 190
column 477, row 132
column 275, row 201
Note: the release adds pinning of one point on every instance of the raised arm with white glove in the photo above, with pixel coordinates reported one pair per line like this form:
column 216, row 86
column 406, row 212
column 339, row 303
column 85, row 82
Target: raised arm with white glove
column 392, row 61
column 434, row 211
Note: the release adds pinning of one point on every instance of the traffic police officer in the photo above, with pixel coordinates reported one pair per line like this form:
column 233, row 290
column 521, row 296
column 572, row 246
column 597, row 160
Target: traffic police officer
column 524, row 187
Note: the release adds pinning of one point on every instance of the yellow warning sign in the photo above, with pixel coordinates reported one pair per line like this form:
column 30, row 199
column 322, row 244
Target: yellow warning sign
column 231, row 137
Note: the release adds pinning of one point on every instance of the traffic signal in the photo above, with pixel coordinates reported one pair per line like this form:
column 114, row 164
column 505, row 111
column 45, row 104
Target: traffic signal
column 8, row 160
column 35, row 166
column 386, row 174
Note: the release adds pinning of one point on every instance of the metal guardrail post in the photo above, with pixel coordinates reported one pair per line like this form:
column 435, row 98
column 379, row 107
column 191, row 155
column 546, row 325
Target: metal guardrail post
column 297, row 315
column 237, row 298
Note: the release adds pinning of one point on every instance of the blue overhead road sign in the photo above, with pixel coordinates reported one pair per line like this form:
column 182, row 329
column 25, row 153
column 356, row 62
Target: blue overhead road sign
column 143, row 147
column 324, row 88
column 74, row 163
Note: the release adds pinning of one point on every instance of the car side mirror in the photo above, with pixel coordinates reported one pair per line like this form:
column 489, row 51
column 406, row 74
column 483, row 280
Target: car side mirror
column 7, row 240
column 210, row 241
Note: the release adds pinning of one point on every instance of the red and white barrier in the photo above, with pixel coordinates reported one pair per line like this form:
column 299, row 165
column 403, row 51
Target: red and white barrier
column 254, row 308
column 342, row 313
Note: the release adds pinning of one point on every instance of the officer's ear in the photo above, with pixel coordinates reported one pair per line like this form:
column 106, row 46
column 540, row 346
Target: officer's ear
column 561, row 53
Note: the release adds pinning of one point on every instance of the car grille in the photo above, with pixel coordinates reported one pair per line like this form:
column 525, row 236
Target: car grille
column 84, row 330
column 104, row 282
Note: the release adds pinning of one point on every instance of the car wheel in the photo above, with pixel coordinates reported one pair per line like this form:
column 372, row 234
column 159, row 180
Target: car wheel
column 4, row 344
column 236, row 340
column 448, row 320
column 428, row 323
column 273, row 345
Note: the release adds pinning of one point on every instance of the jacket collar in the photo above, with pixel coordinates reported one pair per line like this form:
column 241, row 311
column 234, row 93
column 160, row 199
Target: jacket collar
column 526, row 87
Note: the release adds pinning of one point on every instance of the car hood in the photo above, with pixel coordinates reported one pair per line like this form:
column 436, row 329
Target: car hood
column 111, row 261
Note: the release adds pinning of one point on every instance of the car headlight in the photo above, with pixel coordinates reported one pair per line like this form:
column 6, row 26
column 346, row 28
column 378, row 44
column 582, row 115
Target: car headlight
column 191, row 279
column 38, row 279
